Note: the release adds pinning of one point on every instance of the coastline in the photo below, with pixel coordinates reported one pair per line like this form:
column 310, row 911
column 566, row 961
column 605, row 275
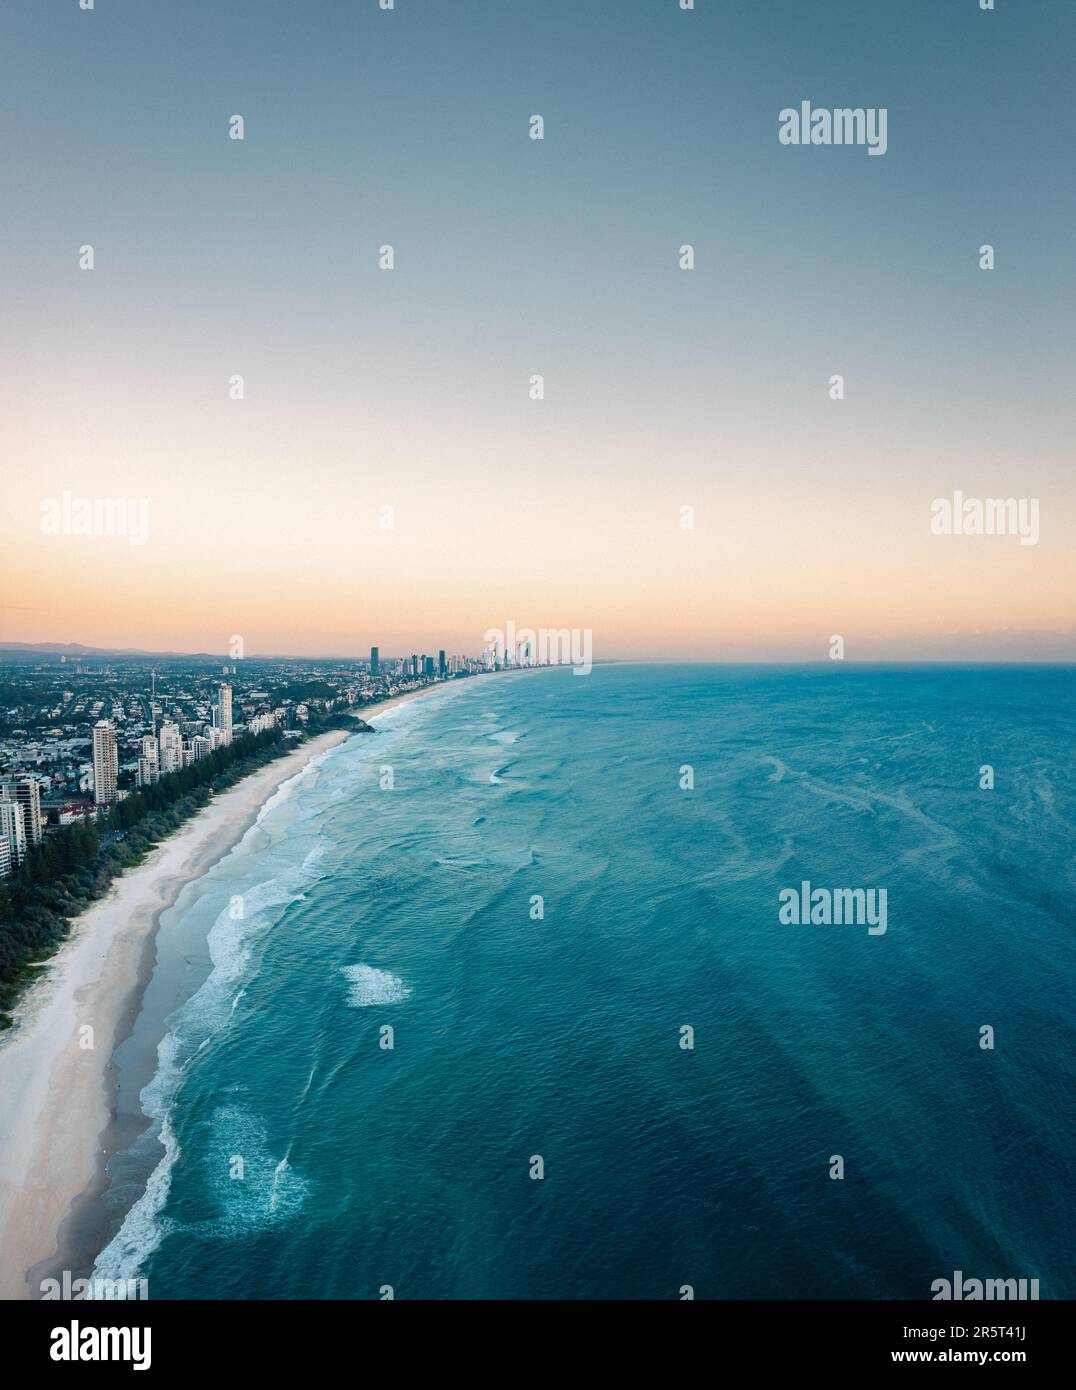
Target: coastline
column 61, row 1107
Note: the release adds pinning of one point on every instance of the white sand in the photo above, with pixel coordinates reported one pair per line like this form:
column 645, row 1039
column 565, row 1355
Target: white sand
column 53, row 1101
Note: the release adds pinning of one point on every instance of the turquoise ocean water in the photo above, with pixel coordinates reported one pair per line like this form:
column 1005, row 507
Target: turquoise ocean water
column 351, row 907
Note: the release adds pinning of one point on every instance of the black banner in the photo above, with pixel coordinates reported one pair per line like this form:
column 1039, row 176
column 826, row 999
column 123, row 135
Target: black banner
column 808, row 1337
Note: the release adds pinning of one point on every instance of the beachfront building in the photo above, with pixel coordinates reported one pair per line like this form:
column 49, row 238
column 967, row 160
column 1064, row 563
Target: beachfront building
column 11, row 828
column 171, row 747
column 27, row 794
column 105, row 762
column 149, row 765
column 225, row 708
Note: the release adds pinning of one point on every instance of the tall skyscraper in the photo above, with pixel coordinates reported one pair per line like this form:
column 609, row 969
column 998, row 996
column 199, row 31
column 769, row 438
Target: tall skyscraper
column 171, row 745
column 11, row 828
column 226, row 713
column 441, row 661
column 26, row 792
column 105, row 762
column 375, row 661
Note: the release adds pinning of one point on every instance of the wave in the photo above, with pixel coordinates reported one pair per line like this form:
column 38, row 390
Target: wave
column 293, row 785
column 231, row 941
column 141, row 1233
column 371, row 986
column 251, row 1187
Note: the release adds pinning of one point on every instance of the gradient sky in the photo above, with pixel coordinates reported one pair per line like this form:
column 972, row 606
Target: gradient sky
column 663, row 387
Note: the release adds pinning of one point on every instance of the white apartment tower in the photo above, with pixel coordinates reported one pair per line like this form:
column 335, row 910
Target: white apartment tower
column 171, row 742
column 105, row 762
column 26, row 793
column 11, row 828
column 149, row 764
column 226, row 714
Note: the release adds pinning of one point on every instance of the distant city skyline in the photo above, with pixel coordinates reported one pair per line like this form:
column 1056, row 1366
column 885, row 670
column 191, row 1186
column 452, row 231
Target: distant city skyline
column 954, row 648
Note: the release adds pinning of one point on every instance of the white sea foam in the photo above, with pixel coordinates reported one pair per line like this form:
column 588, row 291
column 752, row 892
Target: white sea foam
column 230, row 942
column 395, row 714
column 126, row 1254
column 268, row 1193
column 370, row 986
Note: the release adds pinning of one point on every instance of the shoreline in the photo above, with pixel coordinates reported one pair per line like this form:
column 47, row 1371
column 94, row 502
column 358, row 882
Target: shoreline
column 63, row 1119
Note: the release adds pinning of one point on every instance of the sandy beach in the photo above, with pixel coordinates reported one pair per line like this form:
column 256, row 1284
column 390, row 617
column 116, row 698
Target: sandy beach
column 57, row 1106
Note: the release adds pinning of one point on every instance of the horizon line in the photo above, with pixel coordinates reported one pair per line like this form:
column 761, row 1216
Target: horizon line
column 134, row 653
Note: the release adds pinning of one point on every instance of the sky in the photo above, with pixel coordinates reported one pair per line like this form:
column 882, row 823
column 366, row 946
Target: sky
column 366, row 389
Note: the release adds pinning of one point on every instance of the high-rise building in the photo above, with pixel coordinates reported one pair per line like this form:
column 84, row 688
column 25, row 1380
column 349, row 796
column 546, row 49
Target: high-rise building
column 375, row 661
column 226, row 713
column 7, row 863
column 105, row 762
column 441, row 661
column 171, row 745
column 11, row 828
column 149, row 763
column 414, row 664
column 26, row 792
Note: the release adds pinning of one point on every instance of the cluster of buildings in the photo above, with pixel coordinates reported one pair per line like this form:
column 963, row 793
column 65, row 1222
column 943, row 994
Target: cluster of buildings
column 79, row 733
column 174, row 746
column 414, row 666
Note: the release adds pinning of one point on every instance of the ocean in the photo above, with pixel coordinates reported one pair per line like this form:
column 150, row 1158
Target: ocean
column 495, row 1003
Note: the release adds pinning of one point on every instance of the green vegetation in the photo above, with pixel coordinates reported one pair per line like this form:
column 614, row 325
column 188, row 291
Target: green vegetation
column 320, row 723
column 77, row 863
column 302, row 691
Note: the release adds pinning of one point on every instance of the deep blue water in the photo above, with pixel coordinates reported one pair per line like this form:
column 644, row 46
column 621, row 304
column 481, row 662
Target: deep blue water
column 411, row 907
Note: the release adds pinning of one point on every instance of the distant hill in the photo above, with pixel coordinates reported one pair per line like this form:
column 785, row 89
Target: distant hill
column 78, row 649
column 70, row 649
